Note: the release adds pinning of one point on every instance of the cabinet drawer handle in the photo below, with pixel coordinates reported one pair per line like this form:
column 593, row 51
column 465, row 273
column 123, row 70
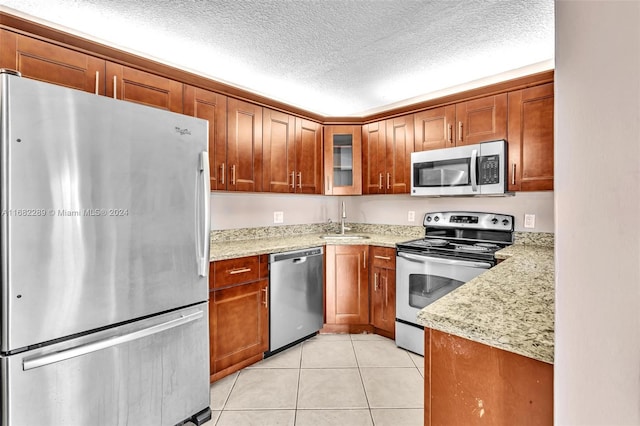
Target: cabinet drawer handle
column 223, row 172
column 293, row 179
column 388, row 180
column 513, row 174
column 449, row 132
column 97, row 82
column 382, row 257
column 238, row 271
column 364, row 259
column 380, row 182
column 265, row 301
column 460, row 130
column 300, row 180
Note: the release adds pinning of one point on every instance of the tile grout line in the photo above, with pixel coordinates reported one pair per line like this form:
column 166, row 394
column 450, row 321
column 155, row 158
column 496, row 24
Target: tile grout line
column 364, row 388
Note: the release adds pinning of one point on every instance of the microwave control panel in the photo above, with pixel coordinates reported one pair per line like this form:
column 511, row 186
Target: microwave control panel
column 489, row 170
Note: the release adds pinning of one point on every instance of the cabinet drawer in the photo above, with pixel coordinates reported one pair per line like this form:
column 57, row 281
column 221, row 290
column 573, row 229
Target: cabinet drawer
column 383, row 257
column 235, row 271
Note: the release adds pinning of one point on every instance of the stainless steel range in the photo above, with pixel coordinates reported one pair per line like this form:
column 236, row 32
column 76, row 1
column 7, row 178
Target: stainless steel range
column 457, row 247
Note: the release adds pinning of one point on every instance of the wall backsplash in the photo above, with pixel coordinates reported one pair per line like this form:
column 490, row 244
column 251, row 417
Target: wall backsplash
column 231, row 210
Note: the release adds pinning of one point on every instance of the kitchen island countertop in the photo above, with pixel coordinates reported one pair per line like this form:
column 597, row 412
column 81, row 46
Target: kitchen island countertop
column 510, row 306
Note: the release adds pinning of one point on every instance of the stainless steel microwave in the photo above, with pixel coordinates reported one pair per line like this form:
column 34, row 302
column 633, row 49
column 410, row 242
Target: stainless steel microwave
column 479, row 169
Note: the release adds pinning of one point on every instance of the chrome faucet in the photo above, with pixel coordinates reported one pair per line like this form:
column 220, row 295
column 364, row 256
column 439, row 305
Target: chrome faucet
column 343, row 216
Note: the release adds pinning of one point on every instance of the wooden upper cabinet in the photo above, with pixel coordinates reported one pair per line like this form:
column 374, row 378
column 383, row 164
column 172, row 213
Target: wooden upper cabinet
column 434, row 128
column 386, row 156
column 308, row 157
column 399, row 144
column 48, row 62
column 481, row 120
column 374, row 149
column 279, row 151
column 130, row 84
column 343, row 160
column 531, row 139
column 244, row 146
column 212, row 107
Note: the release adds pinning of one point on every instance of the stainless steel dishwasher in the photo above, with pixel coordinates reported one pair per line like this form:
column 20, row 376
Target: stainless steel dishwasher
column 295, row 296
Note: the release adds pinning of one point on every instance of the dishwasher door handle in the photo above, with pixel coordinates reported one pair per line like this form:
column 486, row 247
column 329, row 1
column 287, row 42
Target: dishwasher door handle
column 299, row 260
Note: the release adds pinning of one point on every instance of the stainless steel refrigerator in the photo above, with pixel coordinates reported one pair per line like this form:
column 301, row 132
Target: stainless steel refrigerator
column 104, row 246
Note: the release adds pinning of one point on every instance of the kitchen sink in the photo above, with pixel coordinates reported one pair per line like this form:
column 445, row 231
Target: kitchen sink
column 344, row 237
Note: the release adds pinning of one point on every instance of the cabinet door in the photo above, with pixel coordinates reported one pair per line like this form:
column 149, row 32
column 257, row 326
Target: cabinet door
column 130, row 84
column 531, row 139
column 383, row 289
column 308, row 157
column 383, row 299
column 374, row 148
column 279, row 152
column 481, row 120
column 54, row 64
column 347, row 284
column 244, row 146
column 399, row 145
column 212, row 107
column 239, row 324
column 343, row 160
column 434, row 128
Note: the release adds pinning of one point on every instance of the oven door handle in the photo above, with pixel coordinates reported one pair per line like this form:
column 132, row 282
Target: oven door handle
column 424, row 259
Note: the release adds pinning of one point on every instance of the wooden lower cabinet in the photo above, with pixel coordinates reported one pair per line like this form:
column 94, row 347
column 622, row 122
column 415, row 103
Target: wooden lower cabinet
column 238, row 314
column 346, row 288
column 468, row 383
column 383, row 290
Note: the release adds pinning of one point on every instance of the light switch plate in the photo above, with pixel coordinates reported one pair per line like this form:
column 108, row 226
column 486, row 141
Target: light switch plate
column 411, row 216
column 278, row 217
column 529, row 220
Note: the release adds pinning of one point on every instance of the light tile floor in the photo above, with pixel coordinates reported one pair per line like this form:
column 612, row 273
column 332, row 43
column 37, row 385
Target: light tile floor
column 330, row 379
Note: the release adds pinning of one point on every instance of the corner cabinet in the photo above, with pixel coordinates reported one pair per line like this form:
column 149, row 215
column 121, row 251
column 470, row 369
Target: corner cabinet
column 342, row 160
column 238, row 313
column 531, row 139
column 347, row 286
column 383, row 290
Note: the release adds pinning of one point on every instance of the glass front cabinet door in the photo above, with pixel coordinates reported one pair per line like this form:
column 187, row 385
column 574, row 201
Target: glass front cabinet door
column 342, row 160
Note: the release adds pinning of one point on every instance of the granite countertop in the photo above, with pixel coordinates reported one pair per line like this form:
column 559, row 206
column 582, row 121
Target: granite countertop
column 510, row 306
column 221, row 250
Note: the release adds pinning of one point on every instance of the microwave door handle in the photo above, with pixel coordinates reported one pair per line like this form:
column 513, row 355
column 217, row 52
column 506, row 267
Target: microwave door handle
column 474, row 171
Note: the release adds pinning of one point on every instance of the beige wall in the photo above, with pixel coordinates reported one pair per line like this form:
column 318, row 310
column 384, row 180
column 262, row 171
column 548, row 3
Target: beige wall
column 597, row 190
column 242, row 210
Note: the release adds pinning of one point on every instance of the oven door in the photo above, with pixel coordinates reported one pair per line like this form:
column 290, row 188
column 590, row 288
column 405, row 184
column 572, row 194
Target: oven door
column 423, row 279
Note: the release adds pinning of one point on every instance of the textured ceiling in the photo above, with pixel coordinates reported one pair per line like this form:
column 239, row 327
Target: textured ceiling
column 332, row 57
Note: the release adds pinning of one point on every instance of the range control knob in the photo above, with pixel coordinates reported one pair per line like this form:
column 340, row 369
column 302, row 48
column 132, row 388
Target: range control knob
column 494, row 220
column 505, row 222
column 428, row 218
column 436, row 219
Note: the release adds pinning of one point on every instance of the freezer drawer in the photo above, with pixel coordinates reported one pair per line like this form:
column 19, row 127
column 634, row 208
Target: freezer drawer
column 151, row 372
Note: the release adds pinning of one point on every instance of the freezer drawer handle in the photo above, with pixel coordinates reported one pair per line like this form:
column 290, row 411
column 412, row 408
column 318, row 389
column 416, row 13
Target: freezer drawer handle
column 30, row 364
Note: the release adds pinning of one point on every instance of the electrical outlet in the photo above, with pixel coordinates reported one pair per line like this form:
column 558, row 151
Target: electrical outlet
column 411, row 216
column 278, row 217
column 529, row 220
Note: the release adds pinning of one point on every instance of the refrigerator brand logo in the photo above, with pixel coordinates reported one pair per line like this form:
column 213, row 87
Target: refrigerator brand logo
column 183, row 131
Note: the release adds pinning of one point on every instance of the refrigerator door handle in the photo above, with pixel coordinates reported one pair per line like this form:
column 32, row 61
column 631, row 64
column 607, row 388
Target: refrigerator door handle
column 41, row 361
column 203, row 261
